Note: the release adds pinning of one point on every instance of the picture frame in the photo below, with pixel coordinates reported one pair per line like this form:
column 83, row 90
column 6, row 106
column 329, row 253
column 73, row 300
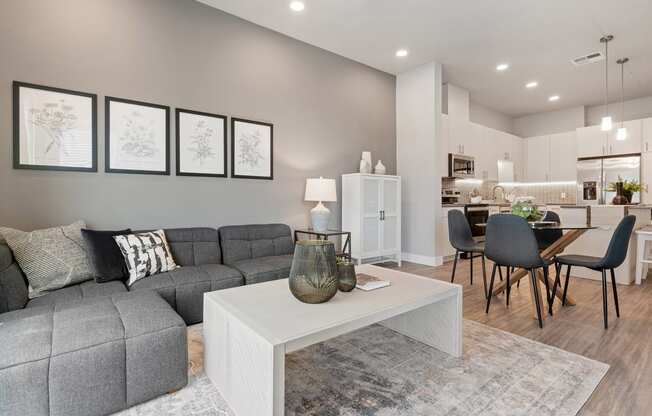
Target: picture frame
column 137, row 137
column 252, row 149
column 201, row 144
column 54, row 129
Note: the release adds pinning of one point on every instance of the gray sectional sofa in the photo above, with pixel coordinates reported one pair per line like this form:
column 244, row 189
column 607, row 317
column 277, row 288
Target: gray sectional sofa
column 98, row 348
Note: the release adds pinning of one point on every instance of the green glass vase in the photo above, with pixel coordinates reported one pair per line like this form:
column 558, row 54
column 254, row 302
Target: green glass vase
column 346, row 275
column 313, row 276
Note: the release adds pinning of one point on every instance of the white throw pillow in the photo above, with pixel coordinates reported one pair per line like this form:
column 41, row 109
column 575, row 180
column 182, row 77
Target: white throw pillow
column 145, row 254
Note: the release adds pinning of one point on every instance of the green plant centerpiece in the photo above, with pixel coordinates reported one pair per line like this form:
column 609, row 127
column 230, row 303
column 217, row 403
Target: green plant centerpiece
column 313, row 276
column 527, row 210
column 623, row 189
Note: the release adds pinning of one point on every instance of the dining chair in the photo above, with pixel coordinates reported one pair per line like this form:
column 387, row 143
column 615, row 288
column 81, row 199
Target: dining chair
column 613, row 258
column 546, row 238
column 510, row 242
column 461, row 238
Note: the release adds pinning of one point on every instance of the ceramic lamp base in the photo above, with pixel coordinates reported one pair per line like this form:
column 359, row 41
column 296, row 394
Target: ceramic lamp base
column 320, row 216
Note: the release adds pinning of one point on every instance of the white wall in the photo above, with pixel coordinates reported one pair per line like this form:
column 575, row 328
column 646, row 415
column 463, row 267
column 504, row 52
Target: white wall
column 634, row 110
column 419, row 154
column 488, row 117
column 552, row 122
column 455, row 101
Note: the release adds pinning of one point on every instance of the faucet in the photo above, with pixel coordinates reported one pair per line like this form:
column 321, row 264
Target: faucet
column 493, row 192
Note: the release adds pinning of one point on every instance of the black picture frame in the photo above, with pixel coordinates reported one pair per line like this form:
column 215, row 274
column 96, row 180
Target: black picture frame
column 178, row 112
column 107, row 136
column 16, row 86
column 235, row 120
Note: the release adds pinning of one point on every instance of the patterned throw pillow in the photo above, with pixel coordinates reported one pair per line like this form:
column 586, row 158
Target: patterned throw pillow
column 145, row 254
column 51, row 258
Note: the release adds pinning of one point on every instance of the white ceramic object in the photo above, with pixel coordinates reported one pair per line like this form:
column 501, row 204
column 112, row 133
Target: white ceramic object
column 320, row 217
column 476, row 199
column 364, row 166
column 366, row 156
column 380, row 169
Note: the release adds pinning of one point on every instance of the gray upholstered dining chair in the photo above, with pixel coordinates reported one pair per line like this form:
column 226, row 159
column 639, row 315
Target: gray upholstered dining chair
column 461, row 238
column 545, row 238
column 510, row 242
column 613, row 258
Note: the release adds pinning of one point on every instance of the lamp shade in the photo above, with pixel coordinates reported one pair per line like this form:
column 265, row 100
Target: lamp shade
column 320, row 189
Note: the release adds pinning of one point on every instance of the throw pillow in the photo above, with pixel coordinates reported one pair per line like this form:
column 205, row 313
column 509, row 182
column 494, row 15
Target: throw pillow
column 105, row 254
column 51, row 258
column 145, row 254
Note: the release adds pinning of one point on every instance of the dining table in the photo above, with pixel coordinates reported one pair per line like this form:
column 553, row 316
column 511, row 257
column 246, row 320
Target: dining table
column 571, row 232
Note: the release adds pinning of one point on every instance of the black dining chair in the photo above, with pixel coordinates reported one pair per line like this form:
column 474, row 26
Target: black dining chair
column 510, row 242
column 461, row 238
column 546, row 238
column 614, row 257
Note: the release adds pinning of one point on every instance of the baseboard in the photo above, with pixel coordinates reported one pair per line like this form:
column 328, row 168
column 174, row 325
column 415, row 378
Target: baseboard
column 425, row 260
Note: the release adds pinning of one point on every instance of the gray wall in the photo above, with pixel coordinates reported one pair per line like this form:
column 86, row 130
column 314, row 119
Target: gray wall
column 634, row 109
column 490, row 118
column 325, row 109
column 552, row 122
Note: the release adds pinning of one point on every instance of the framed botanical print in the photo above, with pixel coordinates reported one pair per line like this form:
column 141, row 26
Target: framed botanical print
column 200, row 144
column 252, row 149
column 54, row 128
column 137, row 137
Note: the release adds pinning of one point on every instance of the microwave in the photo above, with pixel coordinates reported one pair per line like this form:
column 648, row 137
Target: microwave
column 461, row 166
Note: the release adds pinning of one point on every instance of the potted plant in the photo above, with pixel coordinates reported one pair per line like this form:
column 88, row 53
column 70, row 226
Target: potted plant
column 624, row 190
column 527, row 210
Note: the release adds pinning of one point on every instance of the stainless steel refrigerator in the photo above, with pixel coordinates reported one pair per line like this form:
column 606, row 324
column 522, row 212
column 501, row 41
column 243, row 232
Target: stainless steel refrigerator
column 595, row 174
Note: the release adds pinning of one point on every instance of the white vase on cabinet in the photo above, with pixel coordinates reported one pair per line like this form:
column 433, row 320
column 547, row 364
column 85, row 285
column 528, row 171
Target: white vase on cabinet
column 371, row 211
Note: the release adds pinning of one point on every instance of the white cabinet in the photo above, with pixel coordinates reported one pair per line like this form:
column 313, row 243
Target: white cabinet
column 591, row 142
column 563, row 157
column 646, row 178
column 487, row 152
column 460, row 139
column 632, row 144
column 646, row 135
column 538, row 158
column 445, row 141
column 371, row 211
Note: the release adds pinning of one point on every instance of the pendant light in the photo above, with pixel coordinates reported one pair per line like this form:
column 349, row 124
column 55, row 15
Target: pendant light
column 621, row 134
column 606, row 123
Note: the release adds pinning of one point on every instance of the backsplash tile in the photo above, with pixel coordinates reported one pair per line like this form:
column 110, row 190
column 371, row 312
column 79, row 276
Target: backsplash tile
column 564, row 193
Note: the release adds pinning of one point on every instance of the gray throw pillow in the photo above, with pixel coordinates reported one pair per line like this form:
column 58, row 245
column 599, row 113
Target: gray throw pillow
column 51, row 258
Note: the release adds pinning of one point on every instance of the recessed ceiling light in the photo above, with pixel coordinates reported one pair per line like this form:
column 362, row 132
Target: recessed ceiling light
column 553, row 98
column 502, row 67
column 531, row 84
column 401, row 53
column 297, row 6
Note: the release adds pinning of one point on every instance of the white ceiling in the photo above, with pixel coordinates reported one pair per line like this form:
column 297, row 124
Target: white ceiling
column 469, row 37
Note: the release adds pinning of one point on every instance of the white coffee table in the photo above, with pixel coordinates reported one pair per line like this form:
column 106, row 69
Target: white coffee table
column 249, row 329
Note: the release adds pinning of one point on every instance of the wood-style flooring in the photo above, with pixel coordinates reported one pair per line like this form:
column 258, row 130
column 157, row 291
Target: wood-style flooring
column 626, row 346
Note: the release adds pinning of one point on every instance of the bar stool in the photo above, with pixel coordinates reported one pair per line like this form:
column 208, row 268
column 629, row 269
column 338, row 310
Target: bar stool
column 642, row 237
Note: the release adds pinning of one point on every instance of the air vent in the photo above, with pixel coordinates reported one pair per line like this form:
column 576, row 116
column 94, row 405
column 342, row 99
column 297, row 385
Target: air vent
column 588, row 59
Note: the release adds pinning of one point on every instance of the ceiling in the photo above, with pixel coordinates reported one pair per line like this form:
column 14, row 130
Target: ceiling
column 470, row 37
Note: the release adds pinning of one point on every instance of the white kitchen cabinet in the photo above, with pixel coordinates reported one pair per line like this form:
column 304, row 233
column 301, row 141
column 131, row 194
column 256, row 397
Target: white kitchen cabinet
column 538, row 159
column 516, row 156
column 646, row 178
column 591, row 142
column 632, row 144
column 646, row 135
column 445, row 139
column 486, row 152
column 371, row 211
column 461, row 138
column 563, row 157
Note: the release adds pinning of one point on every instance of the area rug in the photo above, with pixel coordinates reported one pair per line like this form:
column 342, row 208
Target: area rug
column 377, row 372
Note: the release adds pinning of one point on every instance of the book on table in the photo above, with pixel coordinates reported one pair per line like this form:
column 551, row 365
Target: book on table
column 367, row 282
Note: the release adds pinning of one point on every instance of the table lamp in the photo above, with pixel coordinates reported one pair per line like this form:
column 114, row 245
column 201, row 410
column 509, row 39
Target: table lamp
column 320, row 190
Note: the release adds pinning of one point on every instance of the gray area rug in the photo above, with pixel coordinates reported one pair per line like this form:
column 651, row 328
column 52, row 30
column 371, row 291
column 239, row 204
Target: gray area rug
column 377, row 372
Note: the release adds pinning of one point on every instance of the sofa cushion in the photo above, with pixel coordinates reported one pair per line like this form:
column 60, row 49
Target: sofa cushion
column 263, row 269
column 242, row 242
column 13, row 286
column 51, row 258
column 194, row 246
column 184, row 288
column 76, row 293
column 92, row 357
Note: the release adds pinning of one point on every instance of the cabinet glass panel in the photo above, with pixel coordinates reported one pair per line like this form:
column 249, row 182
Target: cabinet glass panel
column 390, row 229
column 371, row 189
column 390, row 188
column 371, row 235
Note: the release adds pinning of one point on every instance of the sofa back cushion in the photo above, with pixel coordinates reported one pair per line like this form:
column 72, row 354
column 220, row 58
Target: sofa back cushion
column 242, row 242
column 194, row 246
column 13, row 287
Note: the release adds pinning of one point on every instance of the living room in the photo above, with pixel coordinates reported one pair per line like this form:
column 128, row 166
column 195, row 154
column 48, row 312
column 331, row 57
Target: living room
column 220, row 207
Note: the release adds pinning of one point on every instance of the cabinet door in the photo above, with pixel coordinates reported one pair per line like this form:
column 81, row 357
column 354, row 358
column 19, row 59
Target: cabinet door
column 390, row 223
column 632, row 144
column 518, row 145
column 538, row 163
column 487, row 152
column 646, row 178
column 646, row 135
column 371, row 206
column 445, row 138
column 459, row 136
column 563, row 157
column 591, row 142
